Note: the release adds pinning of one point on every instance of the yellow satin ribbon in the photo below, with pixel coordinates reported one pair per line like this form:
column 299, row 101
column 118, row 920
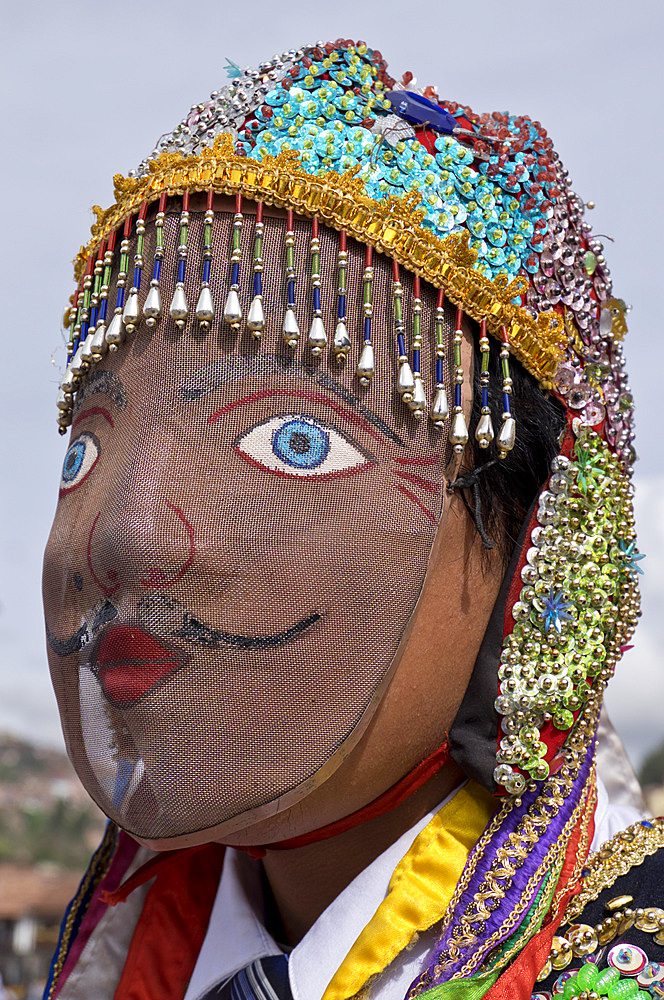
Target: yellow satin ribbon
column 419, row 891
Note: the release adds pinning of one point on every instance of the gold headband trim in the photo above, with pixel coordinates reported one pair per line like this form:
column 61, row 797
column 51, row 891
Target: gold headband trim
column 392, row 226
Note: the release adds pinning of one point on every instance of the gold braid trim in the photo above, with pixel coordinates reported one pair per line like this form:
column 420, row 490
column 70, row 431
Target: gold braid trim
column 93, row 876
column 616, row 857
column 392, row 226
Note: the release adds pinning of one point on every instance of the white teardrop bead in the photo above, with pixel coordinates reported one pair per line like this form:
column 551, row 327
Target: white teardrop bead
column 131, row 312
column 458, row 431
column 440, row 410
column 507, row 434
column 68, row 384
column 418, row 402
column 86, row 350
column 204, row 306
column 64, row 401
column 152, row 307
column 317, row 335
column 232, row 310
column 406, row 382
column 366, row 366
column 256, row 317
column 341, row 343
column 99, row 345
column 291, row 330
column 179, row 309
column 115, row 334
column 76, row 364
column 484, row 431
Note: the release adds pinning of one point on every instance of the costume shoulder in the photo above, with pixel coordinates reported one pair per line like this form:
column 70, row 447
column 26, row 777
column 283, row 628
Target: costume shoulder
column 613, row 928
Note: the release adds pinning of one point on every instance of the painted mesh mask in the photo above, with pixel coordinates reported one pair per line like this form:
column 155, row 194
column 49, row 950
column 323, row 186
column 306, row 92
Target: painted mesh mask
column 241, row 538
column 236, row 503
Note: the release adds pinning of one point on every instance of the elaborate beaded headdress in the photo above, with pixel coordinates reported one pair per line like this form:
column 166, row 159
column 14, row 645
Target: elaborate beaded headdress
column 481, row 208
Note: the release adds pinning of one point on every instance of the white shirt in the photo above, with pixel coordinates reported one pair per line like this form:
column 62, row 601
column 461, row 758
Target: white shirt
column 236, row 934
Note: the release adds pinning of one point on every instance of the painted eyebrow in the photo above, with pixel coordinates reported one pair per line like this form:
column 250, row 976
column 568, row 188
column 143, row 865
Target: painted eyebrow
column 104, row 382
column 231, row 369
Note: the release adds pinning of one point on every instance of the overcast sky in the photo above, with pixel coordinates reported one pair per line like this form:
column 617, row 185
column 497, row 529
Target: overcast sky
column 89, row 86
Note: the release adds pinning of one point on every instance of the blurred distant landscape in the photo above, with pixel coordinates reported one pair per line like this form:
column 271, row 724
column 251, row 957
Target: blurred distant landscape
column 48, row 829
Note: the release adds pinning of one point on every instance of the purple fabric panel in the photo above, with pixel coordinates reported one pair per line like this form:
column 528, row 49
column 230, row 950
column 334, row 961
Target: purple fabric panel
column 522, row 875
column 122, row 857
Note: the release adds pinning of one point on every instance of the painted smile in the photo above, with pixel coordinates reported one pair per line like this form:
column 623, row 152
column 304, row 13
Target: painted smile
column 130, row 662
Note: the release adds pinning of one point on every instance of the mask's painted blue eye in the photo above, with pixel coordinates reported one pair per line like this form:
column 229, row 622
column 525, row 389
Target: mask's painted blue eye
column 301, row 443
column 297, row 445
column 81, row 456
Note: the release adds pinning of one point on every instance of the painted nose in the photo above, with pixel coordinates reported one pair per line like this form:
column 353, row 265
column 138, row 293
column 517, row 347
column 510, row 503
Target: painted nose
column 152, row 545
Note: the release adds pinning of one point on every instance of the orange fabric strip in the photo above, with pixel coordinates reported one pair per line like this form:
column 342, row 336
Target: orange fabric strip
column 172, row 926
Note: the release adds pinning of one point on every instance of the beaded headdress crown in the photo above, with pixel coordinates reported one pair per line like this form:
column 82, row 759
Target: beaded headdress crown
column 480, row 207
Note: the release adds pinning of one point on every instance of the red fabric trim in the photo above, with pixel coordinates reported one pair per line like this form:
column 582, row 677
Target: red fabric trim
column 155, row 866
column 170, row 932
column 389, row 800
column 518, row 981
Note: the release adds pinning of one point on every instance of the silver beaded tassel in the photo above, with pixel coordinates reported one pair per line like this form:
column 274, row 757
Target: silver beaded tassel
column 440, row 410
column 256, row 316
column 507, row 433
column 317, row 336
column 290, row 329
column 458, row 430
column 232, row 309
column 179, row 309
column 366, row 366
column 484, row 431
column 205, row 305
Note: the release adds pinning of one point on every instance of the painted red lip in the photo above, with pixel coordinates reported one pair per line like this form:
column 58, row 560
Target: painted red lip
column 131, row 662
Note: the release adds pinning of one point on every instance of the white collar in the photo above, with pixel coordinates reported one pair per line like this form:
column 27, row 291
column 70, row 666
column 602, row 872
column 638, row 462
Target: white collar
column 236, row 935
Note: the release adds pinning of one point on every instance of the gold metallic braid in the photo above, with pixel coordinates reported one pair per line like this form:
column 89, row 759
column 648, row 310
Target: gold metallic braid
column 515, row 850
column 392, row 226
column 93, row 876
column 555, row 855
column 616, row 857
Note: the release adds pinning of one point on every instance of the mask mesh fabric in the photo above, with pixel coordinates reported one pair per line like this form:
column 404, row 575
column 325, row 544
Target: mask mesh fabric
column 242, row 534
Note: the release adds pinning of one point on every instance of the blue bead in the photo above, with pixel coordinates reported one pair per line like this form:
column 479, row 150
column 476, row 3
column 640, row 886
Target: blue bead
column 235, row 274
column 207, row 266
column 316, row 298
column 416, row 360
column 485, row 396
column 137, row 277
column 291, row 293
column 258, row 283
column 367, row 328
column 103, row 309
column 157, row 269
column 457, row 395
column 341, row 306
column 506, row 403
column 181, row 268
column 440, row 370
column 401, row 343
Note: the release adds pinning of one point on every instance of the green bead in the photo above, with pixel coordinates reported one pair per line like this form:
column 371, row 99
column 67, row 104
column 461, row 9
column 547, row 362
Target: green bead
column 606, row 979
column 623, row 990
column 572, row 988
column 587, row 975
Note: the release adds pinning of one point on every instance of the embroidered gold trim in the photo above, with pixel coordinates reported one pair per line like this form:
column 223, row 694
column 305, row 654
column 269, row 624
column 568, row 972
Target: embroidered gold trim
column 514, row 851
column 93, row 876
column 392, row 226
column 616, row 857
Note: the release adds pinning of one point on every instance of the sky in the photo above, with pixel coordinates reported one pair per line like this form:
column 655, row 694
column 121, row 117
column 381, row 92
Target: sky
column 88, row 87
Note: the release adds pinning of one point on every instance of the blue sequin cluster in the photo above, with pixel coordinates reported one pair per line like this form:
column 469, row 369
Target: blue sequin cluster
column 331, row 113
